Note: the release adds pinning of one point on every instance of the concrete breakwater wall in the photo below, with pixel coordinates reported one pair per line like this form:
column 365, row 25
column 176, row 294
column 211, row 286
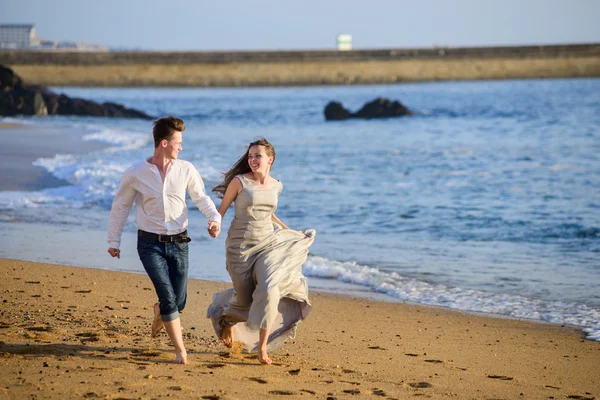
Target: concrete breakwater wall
column 279, row 68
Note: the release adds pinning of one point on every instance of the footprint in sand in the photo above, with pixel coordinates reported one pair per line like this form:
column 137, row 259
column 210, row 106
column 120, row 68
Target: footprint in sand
column 258, row 380
column 282, row 392
column 88, row 337
column 215, row 365
column 420, row 385
column 40, row 328
column 501, row 377
column 352, row 391
column 378, row 392
column 294, row 371
column 434, row 361
column 146, row 353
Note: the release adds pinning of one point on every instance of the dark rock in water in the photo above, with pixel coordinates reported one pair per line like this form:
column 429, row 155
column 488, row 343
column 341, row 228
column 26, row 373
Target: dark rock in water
column 382, row 108
column 8, row 79
column 378, row 108
column 119, row 110
column 22, row 101
column 335, row 111
column 16, row 98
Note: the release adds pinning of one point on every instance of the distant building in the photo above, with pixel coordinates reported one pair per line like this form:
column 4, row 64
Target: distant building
column 17, row 36
column 46, row 44
column 22, row 37
column 344, row 42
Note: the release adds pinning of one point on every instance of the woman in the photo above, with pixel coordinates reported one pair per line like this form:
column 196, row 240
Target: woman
column 264, row 259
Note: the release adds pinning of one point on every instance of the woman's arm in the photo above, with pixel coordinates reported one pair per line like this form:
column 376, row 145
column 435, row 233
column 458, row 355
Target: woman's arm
column 278, row 221
column 235, row 186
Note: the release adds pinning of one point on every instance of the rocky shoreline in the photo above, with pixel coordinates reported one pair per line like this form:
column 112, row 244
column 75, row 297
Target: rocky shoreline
column 19, row 98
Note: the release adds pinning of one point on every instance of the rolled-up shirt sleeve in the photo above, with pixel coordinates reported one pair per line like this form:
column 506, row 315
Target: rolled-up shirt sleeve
column 121, row 207
column 198, row 195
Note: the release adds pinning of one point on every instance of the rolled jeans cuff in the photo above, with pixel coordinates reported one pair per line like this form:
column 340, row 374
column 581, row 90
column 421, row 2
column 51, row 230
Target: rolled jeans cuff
column 169, row 317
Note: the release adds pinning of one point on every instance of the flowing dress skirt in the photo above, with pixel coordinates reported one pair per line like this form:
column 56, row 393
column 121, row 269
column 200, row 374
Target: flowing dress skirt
column 273, row 293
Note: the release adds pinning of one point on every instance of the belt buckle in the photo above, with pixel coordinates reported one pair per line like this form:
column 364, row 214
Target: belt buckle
column 160, row 238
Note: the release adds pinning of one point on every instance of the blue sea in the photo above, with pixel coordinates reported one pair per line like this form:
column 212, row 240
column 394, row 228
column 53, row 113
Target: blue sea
column 486, row 200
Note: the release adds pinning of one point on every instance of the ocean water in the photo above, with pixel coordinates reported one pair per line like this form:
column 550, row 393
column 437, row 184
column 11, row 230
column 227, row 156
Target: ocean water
column 487, row 199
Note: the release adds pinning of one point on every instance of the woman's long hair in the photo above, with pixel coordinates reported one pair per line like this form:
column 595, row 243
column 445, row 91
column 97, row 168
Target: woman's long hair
column 241, row 166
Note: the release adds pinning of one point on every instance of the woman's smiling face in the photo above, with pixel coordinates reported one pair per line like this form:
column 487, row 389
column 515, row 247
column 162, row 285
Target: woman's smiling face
column 258, row 159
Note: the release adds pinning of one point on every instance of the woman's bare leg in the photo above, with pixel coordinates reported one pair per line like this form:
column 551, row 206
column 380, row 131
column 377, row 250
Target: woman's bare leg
column 174, row 331
column 263, row 357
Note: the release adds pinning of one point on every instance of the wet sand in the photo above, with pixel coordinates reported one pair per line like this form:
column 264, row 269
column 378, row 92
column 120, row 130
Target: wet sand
column 24, row 144
column 69, row 332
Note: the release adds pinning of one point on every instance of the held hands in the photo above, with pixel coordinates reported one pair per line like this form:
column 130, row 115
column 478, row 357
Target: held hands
column 114, row 252
column 214, row 228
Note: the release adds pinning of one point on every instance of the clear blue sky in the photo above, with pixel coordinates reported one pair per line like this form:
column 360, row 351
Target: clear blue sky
column 307, row 24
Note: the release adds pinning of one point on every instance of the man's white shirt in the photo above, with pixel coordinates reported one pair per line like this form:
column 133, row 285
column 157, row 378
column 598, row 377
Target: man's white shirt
column 160, row 207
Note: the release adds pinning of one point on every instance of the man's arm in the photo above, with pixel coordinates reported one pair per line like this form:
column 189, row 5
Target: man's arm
column 121, row 207
column 204, row 203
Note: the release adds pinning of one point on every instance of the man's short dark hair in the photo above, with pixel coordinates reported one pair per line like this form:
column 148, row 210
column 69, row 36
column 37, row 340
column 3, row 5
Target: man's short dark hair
column 165, row 127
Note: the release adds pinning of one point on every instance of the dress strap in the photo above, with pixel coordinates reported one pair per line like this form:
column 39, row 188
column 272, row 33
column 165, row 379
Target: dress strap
column 242, row 179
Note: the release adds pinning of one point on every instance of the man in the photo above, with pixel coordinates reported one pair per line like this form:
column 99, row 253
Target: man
column 158, row 186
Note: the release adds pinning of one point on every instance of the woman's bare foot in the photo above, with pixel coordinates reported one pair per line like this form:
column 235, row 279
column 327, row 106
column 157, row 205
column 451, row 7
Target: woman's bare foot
column 181, row 358
column 157, row 324
column 227, row 335
column 263, row 357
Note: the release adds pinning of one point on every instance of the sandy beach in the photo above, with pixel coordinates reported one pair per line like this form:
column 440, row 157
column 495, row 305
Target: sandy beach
column 29, row 143
column 69, row 332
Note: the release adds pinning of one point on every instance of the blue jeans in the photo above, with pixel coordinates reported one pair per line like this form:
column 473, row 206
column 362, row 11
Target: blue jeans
column 167, row 266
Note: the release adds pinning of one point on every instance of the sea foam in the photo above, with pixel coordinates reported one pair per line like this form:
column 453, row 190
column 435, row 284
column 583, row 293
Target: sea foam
column 421, row 292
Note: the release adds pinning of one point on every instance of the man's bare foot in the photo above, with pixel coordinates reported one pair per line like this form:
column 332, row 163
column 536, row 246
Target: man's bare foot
column 157, row 324
column 227, row 335
column 181, row 358
column 263, row 357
